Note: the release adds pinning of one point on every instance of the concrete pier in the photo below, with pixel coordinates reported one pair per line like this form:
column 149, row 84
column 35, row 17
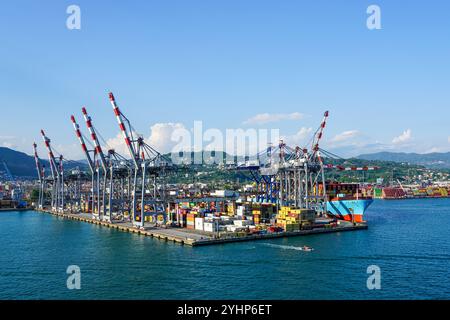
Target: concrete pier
column 193, row 238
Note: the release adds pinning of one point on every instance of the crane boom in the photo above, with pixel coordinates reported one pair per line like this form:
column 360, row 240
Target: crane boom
column 8, row 172
column 82, row 143
column 38, row 163
column 98, row 148
column 342, row 168
column 123, row 129
column 51, row 156
column 318, row 135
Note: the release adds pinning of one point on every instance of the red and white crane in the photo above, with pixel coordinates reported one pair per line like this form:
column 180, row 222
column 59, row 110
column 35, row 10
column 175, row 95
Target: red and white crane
column 41, row 175
column 61, row 186
column 98, row 148
column 139, row 164
column 93, row 167
column 55, row 171
column 39, row 167
column 317, row 137
column 82, row 143
column 99, row 157
column 51, row 157
column 120, row 119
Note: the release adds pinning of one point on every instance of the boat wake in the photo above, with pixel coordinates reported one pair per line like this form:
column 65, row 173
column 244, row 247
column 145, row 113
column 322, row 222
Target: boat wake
column 307, row 249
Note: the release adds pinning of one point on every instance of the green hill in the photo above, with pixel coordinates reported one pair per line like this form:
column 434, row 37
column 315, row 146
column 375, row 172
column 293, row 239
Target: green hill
column 22, row 165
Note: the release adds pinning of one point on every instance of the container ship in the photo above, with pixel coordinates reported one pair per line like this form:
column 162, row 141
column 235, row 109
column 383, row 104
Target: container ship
column 410, row 192
column 347, row 202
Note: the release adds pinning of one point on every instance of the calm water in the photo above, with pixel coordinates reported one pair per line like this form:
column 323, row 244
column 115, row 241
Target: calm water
column 409, row 241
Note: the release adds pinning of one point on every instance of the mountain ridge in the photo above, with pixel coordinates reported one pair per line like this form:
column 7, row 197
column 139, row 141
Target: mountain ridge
column 21, row 164
column 433, row 160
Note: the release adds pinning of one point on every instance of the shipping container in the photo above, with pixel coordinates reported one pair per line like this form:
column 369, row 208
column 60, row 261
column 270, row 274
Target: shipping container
column 210, row 226
column 199, row 223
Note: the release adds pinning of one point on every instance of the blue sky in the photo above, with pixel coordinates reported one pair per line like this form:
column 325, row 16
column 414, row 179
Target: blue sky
column 224, row 62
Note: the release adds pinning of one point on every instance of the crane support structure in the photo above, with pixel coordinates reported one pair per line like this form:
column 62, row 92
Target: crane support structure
column 92, row 166
column 41, row 176
column 100, row 156
column 56, row 177
column 137, row 220
column 38, row 163
column 148, row 164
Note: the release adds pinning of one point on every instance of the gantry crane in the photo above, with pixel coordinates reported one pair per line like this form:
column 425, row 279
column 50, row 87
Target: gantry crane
column 90, row 162
column 56, row 175
column 99, row 158
column 299, row 172
column 148, row 164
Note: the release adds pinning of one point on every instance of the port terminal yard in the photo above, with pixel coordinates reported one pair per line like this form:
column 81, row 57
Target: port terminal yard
column 194, row 238
column 289, row 195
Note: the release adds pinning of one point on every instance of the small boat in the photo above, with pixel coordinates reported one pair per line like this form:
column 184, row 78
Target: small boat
column 306, row 248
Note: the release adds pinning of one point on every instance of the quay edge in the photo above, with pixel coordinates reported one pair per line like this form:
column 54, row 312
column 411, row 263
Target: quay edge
column 162, row 234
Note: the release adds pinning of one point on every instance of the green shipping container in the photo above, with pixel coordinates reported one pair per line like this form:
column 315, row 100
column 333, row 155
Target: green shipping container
column 377, row 192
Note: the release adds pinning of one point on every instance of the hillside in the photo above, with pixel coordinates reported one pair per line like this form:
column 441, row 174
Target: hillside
column 392, row 166
column 388, row 170
column 19, row 163
column 22, row 165
column 429, row 160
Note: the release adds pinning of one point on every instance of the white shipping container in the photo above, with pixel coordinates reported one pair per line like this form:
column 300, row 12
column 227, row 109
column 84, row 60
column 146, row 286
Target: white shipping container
column 232, row 228
column 199, row 223
column 225, row 193
column 210, row 226
column 242, row 223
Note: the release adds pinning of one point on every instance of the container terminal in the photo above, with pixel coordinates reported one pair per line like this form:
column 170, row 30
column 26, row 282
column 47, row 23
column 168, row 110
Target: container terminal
column 291, row 196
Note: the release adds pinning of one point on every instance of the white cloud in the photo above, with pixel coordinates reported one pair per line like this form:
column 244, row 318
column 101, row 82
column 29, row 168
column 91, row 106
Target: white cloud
column 303, row 133
column 436, row 149
column 404, row 137
column 69, row 151
column 8, row 142
column 8, row 145
column 344, row 136
column 118, row 144
column 263, row 118
column 299, row 138
column 160, row 138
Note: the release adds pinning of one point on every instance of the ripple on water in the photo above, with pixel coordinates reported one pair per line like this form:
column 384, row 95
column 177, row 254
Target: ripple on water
column 408, row 240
